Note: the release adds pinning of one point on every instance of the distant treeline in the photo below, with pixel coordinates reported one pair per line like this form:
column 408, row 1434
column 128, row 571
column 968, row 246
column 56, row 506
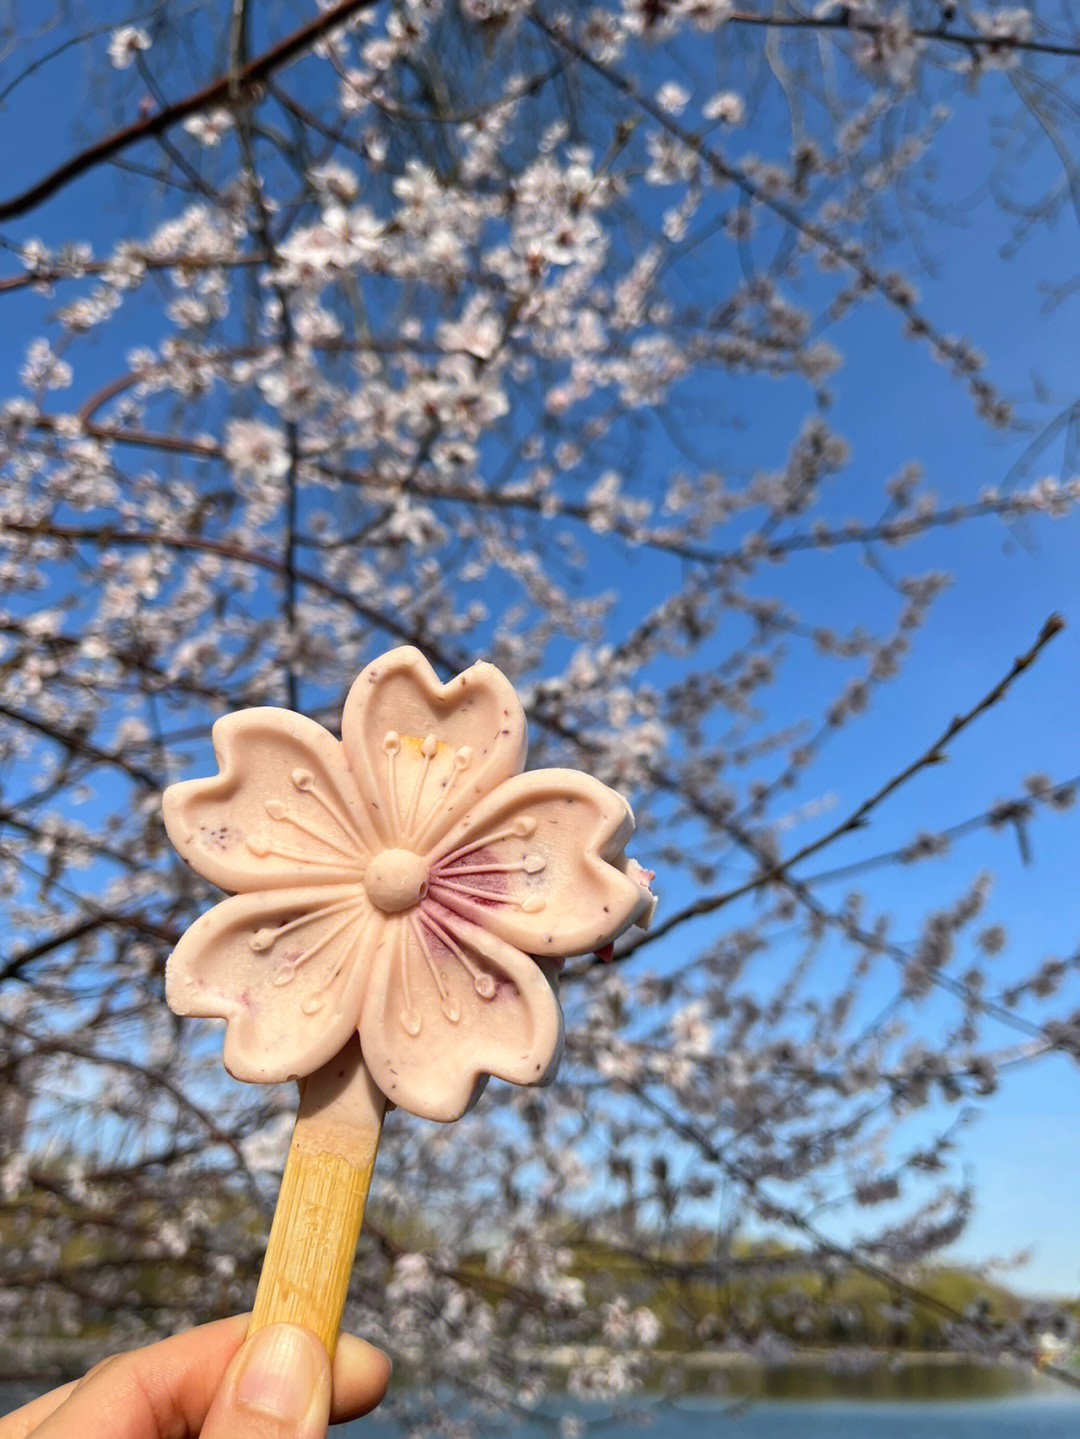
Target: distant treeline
column 79, row 1265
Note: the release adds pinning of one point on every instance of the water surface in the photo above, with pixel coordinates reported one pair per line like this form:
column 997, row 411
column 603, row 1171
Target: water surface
column 1047, row 1412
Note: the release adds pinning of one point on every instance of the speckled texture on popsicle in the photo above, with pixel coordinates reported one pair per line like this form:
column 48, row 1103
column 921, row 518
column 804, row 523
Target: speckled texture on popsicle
column 395, row 883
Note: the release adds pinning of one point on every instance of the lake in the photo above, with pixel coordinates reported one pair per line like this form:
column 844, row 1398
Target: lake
column 1053, row 1414
column 1042, row 1417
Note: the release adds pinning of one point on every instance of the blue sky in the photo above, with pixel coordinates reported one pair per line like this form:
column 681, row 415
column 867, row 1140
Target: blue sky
column 894, row 404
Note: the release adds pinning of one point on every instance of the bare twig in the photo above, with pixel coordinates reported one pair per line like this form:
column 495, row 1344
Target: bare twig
column 778, row 871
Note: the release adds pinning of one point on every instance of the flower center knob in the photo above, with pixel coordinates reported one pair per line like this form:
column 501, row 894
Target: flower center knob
column 396, row 880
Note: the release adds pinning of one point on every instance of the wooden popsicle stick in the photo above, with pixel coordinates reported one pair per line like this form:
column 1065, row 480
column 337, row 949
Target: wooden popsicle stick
column 320, row 1208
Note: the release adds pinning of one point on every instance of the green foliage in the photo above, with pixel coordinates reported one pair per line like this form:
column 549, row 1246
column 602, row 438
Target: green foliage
column 769, row 1288
column 701, row 1302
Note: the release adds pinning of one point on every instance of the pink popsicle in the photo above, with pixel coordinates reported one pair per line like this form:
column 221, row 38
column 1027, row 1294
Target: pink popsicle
column 401, row 901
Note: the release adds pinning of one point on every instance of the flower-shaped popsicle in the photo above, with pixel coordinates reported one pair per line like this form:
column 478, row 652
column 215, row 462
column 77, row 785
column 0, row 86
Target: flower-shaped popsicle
column 395, row 884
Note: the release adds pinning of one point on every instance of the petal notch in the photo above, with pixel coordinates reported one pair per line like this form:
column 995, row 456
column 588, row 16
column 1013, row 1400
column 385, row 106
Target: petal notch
column 284, row 809
column 450, row 1005
column 286, row 971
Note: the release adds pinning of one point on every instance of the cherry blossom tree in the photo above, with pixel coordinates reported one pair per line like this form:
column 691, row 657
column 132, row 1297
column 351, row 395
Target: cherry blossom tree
column 517, row 329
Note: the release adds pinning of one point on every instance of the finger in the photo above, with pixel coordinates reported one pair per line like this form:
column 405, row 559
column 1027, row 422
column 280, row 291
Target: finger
column 23, row 1421
column 361, row 1377
column 277, row 1387
column 168, row 1388
column 165, row 1388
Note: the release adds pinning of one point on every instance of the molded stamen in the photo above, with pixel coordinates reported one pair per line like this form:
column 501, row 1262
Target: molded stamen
column 531, row 864
column 522, row 828
column 315, row 1001
column 391, row 749
column 304, row 781
column 462, row 760
column 261, row 847
column 482, row 982
column 428, row 750
column 449, row 1006
column 279, row 812
column 264, row 938
column 445, row 890
column 287, row 968
column 410, row 1016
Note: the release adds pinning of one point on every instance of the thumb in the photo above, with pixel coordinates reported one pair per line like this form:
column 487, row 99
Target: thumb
column 277, row 1387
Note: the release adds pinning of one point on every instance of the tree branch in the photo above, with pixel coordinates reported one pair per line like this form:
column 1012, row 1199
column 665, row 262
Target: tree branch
column 779, row 870
column 219, row 92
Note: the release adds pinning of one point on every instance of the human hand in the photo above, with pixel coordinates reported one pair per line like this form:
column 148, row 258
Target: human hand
column 208, row 1382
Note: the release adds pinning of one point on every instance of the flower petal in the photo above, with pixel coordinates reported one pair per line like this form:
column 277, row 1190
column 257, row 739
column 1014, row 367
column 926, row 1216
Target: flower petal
column 423, row 752
column 283, row 811
column 449, row 1005
column 540, row 863
column 286, row 970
